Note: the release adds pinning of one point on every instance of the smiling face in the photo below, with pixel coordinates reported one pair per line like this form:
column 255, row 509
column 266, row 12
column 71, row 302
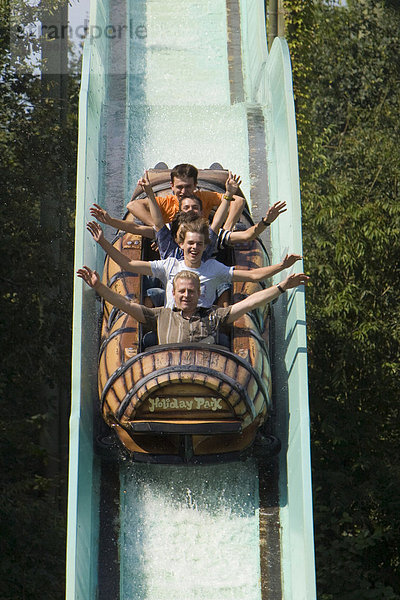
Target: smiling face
column 193, row 247
column 183, row 186
column 186, row 295
column 186, row 204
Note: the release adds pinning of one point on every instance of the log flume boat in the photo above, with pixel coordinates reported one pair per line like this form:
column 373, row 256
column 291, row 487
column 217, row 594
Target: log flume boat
column 184, row 403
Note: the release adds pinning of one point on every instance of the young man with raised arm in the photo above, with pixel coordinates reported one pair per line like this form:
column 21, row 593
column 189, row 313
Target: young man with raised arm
column 166, row 243
column 219, row 237
column 187, row 321
column 192, row 238
column 184, row 183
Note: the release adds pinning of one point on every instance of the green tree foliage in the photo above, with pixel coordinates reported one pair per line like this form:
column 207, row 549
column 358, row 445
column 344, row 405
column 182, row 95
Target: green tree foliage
column 350, row 170
column 37, row 158
column 299, row 22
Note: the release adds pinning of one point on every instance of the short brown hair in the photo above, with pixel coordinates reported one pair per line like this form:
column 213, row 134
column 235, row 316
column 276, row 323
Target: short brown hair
column 197, row 226
column 187, row 275
column 184, row 170
column 192, row 197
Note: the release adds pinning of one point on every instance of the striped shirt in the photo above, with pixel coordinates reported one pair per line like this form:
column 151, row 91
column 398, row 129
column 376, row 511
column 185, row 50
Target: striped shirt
column 173, row 328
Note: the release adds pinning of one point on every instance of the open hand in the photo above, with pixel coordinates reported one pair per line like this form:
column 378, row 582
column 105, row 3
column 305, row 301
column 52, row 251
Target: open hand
column 100, row 214
column 95, row 230
column 274, row 211
column 290, row 259
column 90, row 277
column 294, row 280
column 232, row 184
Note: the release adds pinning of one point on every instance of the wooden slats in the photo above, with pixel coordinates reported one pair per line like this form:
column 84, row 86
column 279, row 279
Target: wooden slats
column 209, row 382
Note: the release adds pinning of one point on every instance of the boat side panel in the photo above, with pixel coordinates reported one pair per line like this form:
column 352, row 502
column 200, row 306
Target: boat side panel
column 130, row 383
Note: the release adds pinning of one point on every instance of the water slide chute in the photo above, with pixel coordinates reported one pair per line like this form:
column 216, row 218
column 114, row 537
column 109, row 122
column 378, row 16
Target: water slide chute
column 161, row 90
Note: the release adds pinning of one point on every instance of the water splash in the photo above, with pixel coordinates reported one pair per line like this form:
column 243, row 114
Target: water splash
column 190, row 502
column 190, row 533
column 187, row 533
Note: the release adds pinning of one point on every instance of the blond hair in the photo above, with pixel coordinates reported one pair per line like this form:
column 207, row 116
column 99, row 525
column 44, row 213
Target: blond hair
column 197, row 226
column 187, row 275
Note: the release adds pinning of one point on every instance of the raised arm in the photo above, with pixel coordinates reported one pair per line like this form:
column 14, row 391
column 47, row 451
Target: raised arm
column 236, row 207
column 155, row 212
column 255, row 230
column 231, row 185
column 263, row 296
column 141, row 267
column 104, row 217
column 139, row 208
column 92, row 279
column 264, row 272
column 235, row 210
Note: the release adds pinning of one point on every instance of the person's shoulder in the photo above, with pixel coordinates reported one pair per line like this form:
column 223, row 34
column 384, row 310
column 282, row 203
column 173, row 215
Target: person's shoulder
column 215, row 265
column 172, row 261
column 167, row 263
column 151, row 313
column 169, row 199
column 221, row 312
column 209, row 195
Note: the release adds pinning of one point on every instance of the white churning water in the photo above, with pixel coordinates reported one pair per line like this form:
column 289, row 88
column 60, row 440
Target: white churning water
column 186, row 532
column 190, row 533
column 179, row 90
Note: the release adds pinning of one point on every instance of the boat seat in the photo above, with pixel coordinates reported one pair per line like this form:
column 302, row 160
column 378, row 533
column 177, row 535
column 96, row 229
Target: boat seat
column 149, row 339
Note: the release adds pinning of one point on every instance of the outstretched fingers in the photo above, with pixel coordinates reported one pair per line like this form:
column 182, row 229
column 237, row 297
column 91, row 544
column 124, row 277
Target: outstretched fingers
column 296, row 279
column 280, row 205
column 290, row 259
column 233, row 183
column 88, row 275
column 98, row 213
column 274, row 211
column 95, row 230
column 293, row 281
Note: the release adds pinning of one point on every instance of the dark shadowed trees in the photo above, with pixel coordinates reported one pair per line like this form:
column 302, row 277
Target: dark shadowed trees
column 38, row 157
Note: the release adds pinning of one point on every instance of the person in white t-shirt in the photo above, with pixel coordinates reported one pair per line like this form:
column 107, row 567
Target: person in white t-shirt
column 193, row 239
column 212, row 275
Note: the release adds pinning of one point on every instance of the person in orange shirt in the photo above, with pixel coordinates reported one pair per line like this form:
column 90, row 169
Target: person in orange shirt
column 184, row 183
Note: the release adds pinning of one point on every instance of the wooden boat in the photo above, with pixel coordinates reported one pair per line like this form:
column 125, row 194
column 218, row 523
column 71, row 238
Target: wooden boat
column 184, row 402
